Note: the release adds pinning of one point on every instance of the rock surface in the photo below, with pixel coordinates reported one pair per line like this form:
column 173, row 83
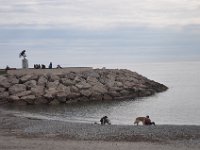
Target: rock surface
column 96, row 84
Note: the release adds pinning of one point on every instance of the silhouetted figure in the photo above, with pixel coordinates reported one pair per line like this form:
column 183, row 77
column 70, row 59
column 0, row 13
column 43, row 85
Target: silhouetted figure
column 104, row 120
column 50, row 65
column 59, row 67
column 43, row 66
column 7, row 67
column 147, row 121
column 22, row 54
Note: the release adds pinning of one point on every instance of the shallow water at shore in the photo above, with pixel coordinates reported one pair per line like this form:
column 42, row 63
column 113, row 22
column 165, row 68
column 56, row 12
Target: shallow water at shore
column 179, row 105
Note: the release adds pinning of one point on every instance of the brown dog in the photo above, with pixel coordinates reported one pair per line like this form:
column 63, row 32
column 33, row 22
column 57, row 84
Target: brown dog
column 144, row 120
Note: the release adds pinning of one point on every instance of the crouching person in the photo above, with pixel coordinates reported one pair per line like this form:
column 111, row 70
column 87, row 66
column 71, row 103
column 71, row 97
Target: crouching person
column 104, row 120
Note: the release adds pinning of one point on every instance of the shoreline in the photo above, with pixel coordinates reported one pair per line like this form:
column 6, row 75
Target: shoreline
column 22, row 129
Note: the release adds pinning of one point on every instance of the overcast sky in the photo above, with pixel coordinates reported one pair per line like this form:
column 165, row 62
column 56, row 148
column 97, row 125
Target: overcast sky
column 92, row 32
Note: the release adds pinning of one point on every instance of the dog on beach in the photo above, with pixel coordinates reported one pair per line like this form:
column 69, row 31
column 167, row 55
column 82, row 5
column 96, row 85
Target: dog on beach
column 144, row 120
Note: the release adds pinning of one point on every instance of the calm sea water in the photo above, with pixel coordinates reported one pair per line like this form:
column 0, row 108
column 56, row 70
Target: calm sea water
column 179, row 105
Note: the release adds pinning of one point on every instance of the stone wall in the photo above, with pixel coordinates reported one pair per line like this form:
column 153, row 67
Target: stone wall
column 67, row 87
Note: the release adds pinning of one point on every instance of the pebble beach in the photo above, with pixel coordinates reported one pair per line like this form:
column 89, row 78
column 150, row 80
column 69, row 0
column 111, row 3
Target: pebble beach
column 31, row 133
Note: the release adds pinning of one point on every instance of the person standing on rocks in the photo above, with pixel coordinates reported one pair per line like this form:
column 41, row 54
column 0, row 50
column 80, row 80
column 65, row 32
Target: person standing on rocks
column 50, row 65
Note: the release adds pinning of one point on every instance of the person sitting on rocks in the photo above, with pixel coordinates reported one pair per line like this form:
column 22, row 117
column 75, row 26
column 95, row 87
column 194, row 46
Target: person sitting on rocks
column 147, row 121
column 104, row 120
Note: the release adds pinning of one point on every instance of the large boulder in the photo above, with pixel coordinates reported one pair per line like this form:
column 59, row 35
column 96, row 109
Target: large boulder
column 17, row 88
column 31, row 84
column 92, row 80
column 24, row 93
column 13, row 98
column 91, row 73
column 42, row 81
column 71, row 75
column 64, row 89
column 53, row 77
column 53, row 84
column 4, row 82
column 83, row 85
column 50, row 93
column 38, row 91
column 61, row 97
column 13, row 80
column 99, row 88
column 41, row 100
column 67, row 82
column 25, row 78
column 86, row 93
column 29, row 99
column 4, row 95
column 74, row 89
column 2, row 89
column 54, row 102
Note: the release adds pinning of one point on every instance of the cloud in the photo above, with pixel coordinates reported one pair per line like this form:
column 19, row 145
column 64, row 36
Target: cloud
column 92, row 14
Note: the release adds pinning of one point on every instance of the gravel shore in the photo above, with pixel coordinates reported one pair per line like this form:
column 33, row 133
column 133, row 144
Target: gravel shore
column 29, row 130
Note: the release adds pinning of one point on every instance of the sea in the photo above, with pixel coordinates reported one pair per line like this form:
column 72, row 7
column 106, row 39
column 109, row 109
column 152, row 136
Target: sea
column 179, row 105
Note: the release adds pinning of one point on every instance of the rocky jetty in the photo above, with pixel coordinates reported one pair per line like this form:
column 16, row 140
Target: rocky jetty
column 95, row 84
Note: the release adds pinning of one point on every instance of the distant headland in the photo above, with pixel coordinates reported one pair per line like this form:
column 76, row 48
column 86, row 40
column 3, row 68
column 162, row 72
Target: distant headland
column 67, row 85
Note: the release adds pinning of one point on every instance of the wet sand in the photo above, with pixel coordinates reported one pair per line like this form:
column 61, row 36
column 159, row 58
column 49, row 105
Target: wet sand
column 29, row 133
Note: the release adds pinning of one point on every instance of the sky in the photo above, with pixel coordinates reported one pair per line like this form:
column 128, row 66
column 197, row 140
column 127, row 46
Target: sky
column 98, row 33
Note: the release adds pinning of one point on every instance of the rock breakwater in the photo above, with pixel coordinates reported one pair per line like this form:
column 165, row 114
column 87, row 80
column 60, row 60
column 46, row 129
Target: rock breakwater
column 94, row 84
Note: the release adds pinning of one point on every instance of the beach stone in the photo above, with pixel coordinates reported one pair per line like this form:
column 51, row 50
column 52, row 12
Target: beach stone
column 61, row 97
column 41, row 100
column 51, row 92
column 86, row 93
column 109, row 83
column 78, row 79
column 17, row 88
column 2, row 89
column 99, row 88
column 111, row 76
column 124, row 92
column 24, row 93
column 107, row 97
column 114, row 93
column 83, row 85
column 53, row 77
column 71, row 75
column 54, row 102
column 53, row 84
column 20, row 102
column 91, row 73
column 67, row 82
column 38, row 91
column 118, row 84
column 25, row 78
column 2, row 78
column 42, row 81
column 74, row 89
column 64, row 89
column 31, row 83
column 96, row 96
column 14, row 98
column 73, row 95
column 128, row 84
column 4, row 95
column 92, row 80
column 29, row 99
column 13, row 80
column 48, row 95
column 4, row 82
